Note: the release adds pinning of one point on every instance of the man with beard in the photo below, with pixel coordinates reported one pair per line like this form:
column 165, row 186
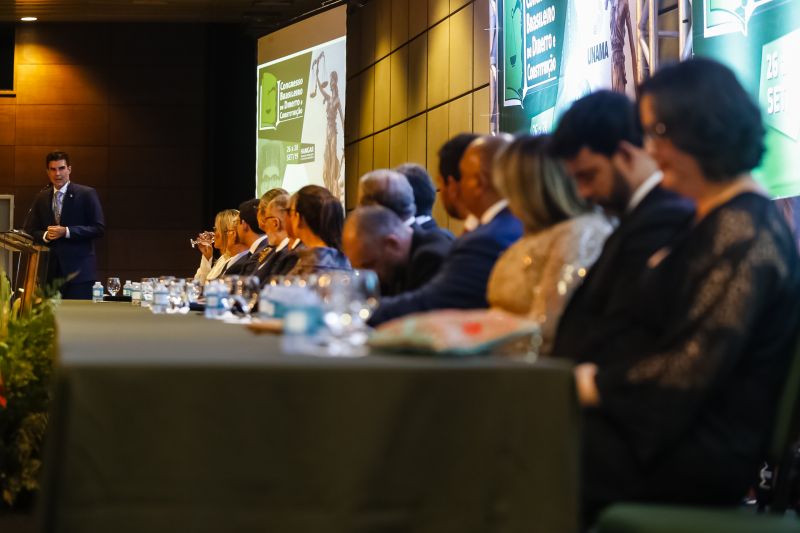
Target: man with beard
column 599, row 139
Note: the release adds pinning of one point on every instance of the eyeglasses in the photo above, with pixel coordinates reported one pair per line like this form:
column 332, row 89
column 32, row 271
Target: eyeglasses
column 656, row 131
column 267, row 219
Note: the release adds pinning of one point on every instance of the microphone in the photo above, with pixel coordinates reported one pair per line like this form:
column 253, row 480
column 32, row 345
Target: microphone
column 28, row 214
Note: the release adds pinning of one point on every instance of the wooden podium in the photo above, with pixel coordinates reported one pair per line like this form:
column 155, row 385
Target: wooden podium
column 34, row 256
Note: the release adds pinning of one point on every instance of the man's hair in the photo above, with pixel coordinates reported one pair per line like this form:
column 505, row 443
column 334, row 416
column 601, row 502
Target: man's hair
column 599, row 122
column 422, row 185
column 322, row 212
column 450, row 155
column 374, row 222
column 268, row 196
column 387, row 188
column 56, row 156
column 248, row 211
column 705, row 112
column 281, row 202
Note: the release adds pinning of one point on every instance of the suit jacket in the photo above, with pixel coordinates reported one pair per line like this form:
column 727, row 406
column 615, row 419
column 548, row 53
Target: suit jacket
column 431, row 225
column 82, row 214
column 278, row 263
column 239, row 268
column 428, row 251
column 248, row 266
column 461, row 281
column 600, row 306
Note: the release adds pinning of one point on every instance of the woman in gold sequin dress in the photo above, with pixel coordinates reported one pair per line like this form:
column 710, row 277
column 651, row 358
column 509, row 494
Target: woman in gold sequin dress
column 563, row 236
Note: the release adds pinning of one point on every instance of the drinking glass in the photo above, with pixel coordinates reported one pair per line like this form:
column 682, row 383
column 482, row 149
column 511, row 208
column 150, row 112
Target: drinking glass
column 113, row 286
column 178, row 298
column 245, row 292
column 194, row 289
column 206, row 237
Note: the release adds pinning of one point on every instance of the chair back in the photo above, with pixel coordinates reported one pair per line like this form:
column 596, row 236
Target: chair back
column 783, row 452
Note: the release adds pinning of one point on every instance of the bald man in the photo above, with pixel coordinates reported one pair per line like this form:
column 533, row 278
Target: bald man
column 461, row 281
column 375, row 238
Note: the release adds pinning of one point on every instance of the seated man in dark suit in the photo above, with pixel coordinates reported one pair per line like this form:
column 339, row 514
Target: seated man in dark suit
column 461, row 281
column 392, row 190
column 600, row 141
column 251, row 235
column 375, row 238
column 273, row 218
column 424, row 196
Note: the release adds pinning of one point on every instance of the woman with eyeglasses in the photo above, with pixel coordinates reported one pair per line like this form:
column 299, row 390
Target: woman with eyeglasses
column 225, row 240
column 680, row 407
column 316, row 217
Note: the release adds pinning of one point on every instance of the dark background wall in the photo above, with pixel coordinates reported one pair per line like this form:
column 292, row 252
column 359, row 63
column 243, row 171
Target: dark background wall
column 417, row 74
column 159, row 118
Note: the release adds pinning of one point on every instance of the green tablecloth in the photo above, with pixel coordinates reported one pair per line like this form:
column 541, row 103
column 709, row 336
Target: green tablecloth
column 177, row 423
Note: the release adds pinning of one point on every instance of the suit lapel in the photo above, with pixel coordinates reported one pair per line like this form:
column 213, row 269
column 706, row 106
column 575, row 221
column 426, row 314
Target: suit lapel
column 67, row 203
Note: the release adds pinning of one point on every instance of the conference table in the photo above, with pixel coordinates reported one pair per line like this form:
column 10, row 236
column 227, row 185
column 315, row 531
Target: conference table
column 180, row 423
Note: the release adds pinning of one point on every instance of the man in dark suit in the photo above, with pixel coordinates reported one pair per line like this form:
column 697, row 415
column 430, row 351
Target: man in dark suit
column 67, row 217
column 424, row 197
column 251, row 235
column 273, row 219
column 599, row 139
column 462, row 279
column 390, row 189
column 375, row 238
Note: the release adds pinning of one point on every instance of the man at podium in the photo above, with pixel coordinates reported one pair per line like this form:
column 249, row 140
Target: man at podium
column 67, row 218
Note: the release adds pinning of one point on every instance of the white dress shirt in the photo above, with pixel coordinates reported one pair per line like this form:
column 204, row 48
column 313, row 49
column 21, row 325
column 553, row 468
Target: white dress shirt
column 644, row 189
column 63, row 191
column 493, row 211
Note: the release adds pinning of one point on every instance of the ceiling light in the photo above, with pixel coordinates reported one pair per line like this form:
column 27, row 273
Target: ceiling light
column 28, row 19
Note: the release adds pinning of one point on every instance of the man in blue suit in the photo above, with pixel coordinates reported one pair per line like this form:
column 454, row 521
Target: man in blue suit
column 67, row 217
column 461, row 281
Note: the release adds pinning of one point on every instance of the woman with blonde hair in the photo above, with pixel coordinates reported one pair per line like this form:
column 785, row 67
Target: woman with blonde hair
column 225, row 240
column 563, row 236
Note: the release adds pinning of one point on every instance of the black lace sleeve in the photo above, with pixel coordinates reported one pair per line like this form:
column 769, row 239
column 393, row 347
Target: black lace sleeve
column 728, row 297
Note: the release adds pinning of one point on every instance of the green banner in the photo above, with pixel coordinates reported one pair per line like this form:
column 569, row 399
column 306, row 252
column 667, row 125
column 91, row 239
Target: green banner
column 760, row 41
column 300, row 138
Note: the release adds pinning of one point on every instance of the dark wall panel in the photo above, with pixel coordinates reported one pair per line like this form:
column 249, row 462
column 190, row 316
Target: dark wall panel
column 156, row 117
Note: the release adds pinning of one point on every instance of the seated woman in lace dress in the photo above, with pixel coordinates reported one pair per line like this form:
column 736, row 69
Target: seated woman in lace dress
column 681, row 407
column 316, row 217
column 563, row 236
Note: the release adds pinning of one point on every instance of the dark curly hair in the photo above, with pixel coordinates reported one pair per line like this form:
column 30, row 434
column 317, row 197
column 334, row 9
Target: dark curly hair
column 598, row 121
column 322, row 212
column 706, row 112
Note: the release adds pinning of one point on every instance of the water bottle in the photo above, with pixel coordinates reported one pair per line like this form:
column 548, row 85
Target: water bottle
column 266, row 307
column 97, row 292
column 160, row 299
column 212, row 299
column 136, row 294
column 127, row 289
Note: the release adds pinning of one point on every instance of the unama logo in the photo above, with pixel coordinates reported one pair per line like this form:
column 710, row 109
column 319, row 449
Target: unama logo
column 729, row 16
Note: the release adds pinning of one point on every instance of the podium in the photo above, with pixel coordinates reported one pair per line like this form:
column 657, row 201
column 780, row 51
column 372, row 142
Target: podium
column 34, row 256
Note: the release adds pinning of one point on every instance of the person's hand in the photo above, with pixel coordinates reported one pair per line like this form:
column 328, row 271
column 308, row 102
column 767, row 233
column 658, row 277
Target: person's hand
column 55, row 232
column 588, row 396
column 206, row 249
column 634, row 163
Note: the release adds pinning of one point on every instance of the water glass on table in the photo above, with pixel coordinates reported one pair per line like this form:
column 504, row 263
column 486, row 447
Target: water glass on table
column 113, row 286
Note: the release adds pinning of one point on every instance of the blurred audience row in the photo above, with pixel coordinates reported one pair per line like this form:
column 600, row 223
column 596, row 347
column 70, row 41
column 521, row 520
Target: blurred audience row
column 635, row 236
